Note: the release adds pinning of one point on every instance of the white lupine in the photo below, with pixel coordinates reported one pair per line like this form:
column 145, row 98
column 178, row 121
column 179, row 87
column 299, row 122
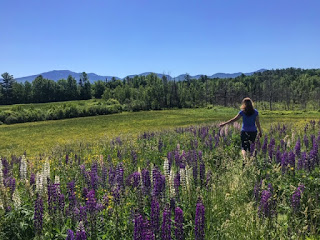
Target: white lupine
column 171, row 184
column 23, row 168
column 166, row 168
column 1, row 204
column 46, row 169
column 183, row 177
column 56, row 179
column 188, row 176
column 16, row 199
column 178, row 147
column 39, row 182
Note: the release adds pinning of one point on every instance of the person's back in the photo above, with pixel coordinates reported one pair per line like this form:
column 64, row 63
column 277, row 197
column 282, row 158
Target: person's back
column 249, row 121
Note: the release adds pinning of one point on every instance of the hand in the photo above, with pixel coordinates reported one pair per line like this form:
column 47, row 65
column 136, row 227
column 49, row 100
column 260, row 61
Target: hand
column 221, row 125
column 260, row 134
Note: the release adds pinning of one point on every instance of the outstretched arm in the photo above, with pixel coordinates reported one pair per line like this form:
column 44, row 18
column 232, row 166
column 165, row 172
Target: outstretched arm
column 236, row 118
column 258, row 125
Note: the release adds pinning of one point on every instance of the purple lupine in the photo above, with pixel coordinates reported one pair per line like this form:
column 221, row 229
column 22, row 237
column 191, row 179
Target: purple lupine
column 306, row 141
column 116, row 193
column 265, row 144
column 292, row 159
column 271, row 147
column 112, row 176
column 284, row 162
column 265, row 208
column 32, row 179
column 297, row 148
column 70, row 235
column 296, row 197
column 67, row 159
column 252, row 149
column 83, row 214
column 85, row 192
column 81, row 233
column 119, row 176
column 52, row 198
column 104, row 175
column 71, row 195
column 138, row 227
column 195, row 167
column 302, row 160
column 146, row 181
column 178, row 218
column 209, row 177
column 61, row 203
column 199, row 221
column 38, row 215
column 166, row 225
column 312, row 159
column 12, row 185
column 278, row 155
column 155, row 215
column 202, row 172
column 133, row 180
column 94, row 178
column 91, row 203
column 158, row 182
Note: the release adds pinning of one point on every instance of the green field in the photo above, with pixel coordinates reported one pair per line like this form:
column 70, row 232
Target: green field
column 40, row 137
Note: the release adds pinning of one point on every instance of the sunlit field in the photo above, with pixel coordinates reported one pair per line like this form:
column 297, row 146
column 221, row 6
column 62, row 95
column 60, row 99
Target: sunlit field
column 160, row 175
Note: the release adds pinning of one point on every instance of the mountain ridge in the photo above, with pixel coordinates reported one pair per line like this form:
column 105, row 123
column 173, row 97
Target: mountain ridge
column 63, row 74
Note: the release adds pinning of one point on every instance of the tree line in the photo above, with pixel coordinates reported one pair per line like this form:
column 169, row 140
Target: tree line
column 289, row 87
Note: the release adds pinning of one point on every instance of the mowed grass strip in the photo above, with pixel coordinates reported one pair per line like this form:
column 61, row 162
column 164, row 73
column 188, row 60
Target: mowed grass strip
column 40, row 137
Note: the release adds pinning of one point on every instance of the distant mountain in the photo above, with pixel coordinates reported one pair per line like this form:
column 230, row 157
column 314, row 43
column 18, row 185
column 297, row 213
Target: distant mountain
column 217, row 75
column 63, row 74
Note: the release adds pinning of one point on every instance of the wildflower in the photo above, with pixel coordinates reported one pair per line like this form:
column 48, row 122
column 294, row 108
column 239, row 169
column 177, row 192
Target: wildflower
column 166, row 168
column 81, row 233
column 265, row 208
column 179, row 224
column 166, row 225
column 16, row 199
column 70, row 235
column 61, row 202
column 183, row 177
column 296, row 197
column 1, row 173
column 38, row 215
column 154, row 215
column 171, row 184
column 146, row 181
column 297, row 148
column 32, row 179
column 23, row 168
column 91, row 204
column 200, row 221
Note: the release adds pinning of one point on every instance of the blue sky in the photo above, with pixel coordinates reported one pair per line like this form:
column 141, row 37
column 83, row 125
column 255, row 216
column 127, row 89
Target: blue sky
column 122, row 37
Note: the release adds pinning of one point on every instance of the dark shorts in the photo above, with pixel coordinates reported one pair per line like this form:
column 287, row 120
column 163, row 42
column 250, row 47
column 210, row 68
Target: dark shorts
column 246, row 139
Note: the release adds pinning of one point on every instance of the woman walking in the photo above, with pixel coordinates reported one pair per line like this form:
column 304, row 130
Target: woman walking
column 250, row 122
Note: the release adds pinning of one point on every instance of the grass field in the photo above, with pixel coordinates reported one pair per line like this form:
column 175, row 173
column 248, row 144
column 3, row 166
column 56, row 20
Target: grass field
column 40, row 137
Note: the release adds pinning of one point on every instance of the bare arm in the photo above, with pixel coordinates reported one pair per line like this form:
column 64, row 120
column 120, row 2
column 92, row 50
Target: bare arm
column 258, row 125
column 236, row 118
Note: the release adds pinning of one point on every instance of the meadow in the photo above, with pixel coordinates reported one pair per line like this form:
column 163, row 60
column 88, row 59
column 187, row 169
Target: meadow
column 169, row 174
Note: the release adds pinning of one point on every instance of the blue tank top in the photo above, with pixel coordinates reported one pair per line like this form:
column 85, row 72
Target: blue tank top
column 249, row 122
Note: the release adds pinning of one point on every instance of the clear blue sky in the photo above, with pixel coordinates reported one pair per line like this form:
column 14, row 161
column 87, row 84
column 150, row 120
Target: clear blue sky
column 122, row 37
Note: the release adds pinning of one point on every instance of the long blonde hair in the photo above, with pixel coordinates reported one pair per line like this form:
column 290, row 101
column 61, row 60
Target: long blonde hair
column 247, row 106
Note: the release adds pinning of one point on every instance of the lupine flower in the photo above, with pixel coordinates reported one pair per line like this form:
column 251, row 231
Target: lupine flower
column 166, row 225
column 81, row 233
column 138, row 228
column 82, row 214
column 202, row 172
column 199, row 221
column 104, row 175
column 16, row 199
column 133, row 180
column 256, row 191
column 296, row 197
column 32, row 179
column 39, row 183
column 119, row 176
column 306, row 141
column 70, row 235
column 302, row 160
column 155, row 215
column 166, row 170
column 297, row 148
column 134, row 157
column 23, row 168
column 284, row 162
column 116, row 194
column 179, row 224
column 91, row 203
column 61, row 203
column 146, row 181
column 291, row 159
column 158, row 183
column 71, row 195
column 171, row 184
column 183, row 177
column 195, row 167
column 12, row 185
column 38, row 215
column 177, row 185
column 265, row 208
column 265, row 144
column 52, row 197
column 1, row 173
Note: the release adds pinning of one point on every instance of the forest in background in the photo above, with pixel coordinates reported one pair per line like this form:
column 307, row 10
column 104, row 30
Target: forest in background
column 288, row 88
